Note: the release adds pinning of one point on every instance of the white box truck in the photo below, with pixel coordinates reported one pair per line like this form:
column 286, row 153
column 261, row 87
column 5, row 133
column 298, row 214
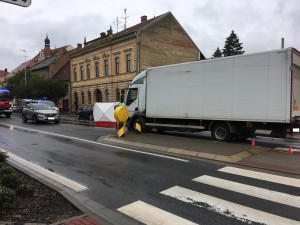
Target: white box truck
column 230, row 96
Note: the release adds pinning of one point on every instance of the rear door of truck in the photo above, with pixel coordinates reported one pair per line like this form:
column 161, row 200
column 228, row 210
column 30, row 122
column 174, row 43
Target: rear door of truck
column 296, row 83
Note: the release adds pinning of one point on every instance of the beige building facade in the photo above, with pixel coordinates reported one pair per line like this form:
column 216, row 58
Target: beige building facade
column 103, row 69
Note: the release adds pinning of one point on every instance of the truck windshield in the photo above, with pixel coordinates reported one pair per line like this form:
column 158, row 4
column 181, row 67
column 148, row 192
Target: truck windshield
column 132, row 96
column 5, row 96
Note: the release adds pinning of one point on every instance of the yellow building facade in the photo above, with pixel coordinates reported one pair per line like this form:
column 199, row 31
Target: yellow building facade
column 104, row 68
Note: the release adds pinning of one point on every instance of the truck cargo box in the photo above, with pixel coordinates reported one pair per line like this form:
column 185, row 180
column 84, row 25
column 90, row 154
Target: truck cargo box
column 262, row 87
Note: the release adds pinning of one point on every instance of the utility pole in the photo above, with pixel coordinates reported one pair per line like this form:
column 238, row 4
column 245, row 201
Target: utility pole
column 117, row 22
column 25, row 63
column 125, row 19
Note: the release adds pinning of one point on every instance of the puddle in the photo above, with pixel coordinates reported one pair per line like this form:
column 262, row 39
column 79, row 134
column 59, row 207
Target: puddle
column 123, row 154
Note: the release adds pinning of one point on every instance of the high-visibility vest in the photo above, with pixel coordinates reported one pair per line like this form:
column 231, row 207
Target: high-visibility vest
column 121, row 104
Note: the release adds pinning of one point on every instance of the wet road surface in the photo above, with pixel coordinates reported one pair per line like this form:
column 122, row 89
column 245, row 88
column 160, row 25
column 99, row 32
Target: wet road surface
column 117, row 177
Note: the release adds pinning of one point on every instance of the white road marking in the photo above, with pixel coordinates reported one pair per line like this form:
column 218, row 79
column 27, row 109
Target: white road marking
column 151, row 215
column 58, row 178
column 226, row 208
column 98, row 143
column 251, row 190
column 262, row 176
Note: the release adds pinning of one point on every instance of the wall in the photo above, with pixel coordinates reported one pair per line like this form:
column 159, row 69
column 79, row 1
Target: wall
column 165, row 42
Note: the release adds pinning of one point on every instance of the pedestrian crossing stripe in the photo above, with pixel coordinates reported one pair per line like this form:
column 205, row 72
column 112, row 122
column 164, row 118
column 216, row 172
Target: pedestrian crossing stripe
column 261, row 176
column 151, row 215
column 262, row 193
column 226, row 208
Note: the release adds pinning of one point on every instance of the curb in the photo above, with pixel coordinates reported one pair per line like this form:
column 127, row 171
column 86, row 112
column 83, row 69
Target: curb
column 222, row 158
column 98, row 212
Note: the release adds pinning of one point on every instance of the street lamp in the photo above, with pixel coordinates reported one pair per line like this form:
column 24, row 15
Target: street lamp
column 25, row 63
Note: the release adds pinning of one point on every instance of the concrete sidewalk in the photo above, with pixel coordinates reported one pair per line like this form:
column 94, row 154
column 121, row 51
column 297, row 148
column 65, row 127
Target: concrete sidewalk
column 230, row 152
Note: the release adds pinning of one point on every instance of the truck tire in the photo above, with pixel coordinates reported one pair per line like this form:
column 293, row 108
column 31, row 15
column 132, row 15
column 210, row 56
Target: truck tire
column 7, row 115
column 140, row 121
column 24, row 119
column 221, row 132
column 35, row 120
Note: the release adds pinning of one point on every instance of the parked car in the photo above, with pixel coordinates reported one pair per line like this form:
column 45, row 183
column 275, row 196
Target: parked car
column 85, row 112
column 38, row 112
column 16, row 107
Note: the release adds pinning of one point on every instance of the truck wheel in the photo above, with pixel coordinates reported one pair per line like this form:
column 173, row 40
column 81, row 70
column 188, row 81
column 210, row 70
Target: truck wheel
column 140, row 121
column 24, row 118
column 35, row 120
column 221, row 132
column 7, row 115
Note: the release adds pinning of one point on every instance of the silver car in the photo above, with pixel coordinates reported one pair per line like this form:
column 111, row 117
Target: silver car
column 38, row 112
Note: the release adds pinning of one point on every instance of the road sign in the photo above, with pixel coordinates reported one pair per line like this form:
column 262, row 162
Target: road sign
column 24, row 3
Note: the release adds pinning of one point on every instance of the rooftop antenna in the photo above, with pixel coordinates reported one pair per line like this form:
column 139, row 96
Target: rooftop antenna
column 117, row 23
column 25, row 56
column 125, row 19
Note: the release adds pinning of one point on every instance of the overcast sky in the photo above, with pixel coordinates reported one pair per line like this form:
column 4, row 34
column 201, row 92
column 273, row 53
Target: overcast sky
column 260, row 24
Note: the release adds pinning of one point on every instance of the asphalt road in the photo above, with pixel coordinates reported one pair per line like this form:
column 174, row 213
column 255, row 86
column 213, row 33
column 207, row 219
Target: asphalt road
column 118, row 177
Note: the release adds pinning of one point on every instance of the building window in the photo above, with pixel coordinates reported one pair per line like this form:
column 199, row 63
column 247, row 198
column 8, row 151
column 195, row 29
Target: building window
column 128, row 62
column 117, row 60
column 106, row 66
column 122, row 95
column 117, row 95
column 98, row 96
column 67, row 88
column 89, row 98
column 81, row 72
column 107, row 95
column 75, row 74
column 88, row 69
column 82, row 98
column 97, row 69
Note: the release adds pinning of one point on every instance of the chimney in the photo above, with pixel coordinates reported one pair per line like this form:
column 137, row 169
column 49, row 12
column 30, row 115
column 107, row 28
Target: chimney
column 102, row 34
column 143, row 18
column 79, row 46
column 5, row 70
column 282, row 42
column 109, row 32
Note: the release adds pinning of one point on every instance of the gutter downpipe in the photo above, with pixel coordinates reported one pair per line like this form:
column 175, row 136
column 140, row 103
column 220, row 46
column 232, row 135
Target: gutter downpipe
column 137, row 55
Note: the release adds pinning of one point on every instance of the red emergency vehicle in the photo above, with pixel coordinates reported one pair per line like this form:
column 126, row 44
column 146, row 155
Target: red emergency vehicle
column 5, row 102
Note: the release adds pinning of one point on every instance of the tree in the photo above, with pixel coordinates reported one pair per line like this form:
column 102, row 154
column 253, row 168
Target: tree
column 218, row 53
column 232, row 45
column 37, row 86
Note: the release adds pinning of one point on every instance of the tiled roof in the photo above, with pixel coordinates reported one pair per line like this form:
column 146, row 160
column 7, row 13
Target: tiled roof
column 46, row 62
column 28, row 64
column 3, row 73
column 130, row 30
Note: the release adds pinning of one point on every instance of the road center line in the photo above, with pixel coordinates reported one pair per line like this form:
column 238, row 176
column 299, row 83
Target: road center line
column 99, row 143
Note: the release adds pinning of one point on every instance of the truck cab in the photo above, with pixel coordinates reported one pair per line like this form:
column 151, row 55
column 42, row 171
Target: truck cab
column 5, row 102
column 135, row 99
